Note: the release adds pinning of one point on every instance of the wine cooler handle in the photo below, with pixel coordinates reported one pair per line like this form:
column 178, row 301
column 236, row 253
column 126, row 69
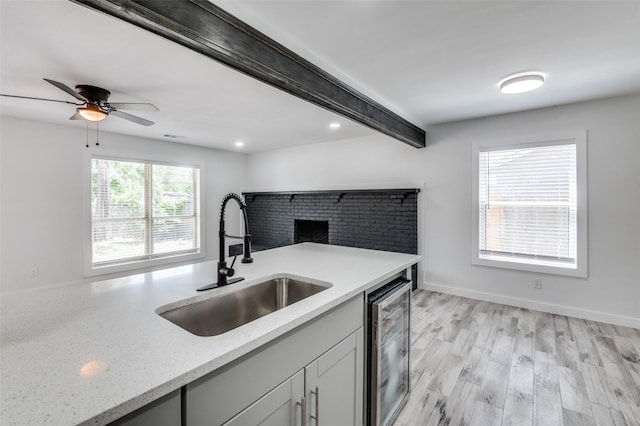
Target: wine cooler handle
column 317, row 416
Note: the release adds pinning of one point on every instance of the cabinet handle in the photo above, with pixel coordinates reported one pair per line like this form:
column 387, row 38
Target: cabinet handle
column 303, row 411
column 317, row 416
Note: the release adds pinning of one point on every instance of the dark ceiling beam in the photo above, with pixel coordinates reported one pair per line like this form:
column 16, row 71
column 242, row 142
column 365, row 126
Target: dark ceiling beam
column 209, row 30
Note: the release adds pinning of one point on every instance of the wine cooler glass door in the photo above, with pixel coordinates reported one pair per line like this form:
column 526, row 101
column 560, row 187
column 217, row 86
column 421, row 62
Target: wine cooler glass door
column 393, row 370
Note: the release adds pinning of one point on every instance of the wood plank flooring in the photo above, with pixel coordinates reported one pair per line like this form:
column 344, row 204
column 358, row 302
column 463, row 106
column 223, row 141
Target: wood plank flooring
column 481, row 363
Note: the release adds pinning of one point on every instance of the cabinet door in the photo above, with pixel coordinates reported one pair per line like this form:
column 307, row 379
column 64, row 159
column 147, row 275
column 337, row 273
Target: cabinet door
column 334, row 384
column 280, row 407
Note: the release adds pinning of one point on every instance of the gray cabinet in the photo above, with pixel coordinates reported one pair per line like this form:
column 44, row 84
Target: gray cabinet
column 330, row 388
column 164, row 411
column 279, row 407
column 334, row 384
column 327, row 350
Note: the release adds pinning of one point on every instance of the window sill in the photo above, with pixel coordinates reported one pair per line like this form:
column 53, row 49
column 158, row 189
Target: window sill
column 92, row 271
column 539, row 266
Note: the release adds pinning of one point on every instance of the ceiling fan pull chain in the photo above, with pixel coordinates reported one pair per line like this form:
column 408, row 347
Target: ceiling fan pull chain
column 87, row 126
column 97, row 133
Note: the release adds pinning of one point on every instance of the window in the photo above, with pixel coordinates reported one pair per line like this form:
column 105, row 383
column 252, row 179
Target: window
column 143, row 212
column 530, row 206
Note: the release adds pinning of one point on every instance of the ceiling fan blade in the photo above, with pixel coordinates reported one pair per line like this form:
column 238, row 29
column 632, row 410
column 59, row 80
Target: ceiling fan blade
column 134, row 106
column 132, row 118
column 67, row 89
column 76, row 116
column 39, row 99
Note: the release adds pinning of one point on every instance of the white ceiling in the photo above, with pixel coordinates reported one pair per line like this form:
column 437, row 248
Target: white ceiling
column 438, row 61
column 429, row 61
column 210, row 104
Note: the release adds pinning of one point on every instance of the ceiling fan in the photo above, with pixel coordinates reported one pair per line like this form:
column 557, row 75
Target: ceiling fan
column 95, row 105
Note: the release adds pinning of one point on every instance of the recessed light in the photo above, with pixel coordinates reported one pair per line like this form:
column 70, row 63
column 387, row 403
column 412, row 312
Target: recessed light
column 239, row 144
column 521, row 83
column 335, row 125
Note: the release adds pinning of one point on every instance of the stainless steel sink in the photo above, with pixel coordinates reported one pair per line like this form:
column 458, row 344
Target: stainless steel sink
column 218, row 315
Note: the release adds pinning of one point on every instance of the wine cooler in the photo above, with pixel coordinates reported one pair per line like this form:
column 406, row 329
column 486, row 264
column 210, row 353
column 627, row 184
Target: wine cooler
column 388, row 378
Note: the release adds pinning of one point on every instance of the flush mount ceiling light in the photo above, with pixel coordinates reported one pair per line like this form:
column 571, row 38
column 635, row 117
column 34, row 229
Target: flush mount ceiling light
column 91, row 113
column 521, row 83
column 239, row 144
column 334, row 125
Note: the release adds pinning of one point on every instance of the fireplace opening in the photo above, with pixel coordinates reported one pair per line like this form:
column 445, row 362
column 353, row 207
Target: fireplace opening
column 311, row 231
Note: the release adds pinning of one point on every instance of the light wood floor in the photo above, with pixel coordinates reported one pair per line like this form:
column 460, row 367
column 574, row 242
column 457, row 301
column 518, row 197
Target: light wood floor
column 481, row 363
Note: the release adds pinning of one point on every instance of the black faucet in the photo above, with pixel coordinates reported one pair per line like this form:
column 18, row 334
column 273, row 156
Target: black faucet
column 224, row 271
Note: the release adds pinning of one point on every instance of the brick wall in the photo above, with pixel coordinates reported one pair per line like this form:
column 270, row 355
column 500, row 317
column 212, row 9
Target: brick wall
column 372, row 219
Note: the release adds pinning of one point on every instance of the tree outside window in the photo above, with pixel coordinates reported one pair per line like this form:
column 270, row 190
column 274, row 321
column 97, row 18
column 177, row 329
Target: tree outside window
column 142, row 210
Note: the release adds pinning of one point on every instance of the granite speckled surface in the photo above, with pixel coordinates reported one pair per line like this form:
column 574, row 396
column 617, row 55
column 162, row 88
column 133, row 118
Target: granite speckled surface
column 91, row 353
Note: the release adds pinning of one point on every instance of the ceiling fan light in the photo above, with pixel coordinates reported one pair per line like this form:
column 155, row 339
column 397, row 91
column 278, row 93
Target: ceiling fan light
column 521, row 83
column 91, row 113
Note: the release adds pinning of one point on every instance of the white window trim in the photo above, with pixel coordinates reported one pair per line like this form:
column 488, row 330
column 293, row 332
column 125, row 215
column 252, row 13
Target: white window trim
column 580, row 139
column 89, row 270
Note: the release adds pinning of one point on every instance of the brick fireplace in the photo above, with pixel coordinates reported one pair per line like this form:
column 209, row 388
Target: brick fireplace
column 372, row 219
column 314, row 231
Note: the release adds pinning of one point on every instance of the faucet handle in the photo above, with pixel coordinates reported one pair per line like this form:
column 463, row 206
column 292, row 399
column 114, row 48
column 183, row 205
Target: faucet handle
column 228, row 271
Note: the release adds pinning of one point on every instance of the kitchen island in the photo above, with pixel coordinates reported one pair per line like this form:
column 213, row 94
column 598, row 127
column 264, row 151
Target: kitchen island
column 90, row 353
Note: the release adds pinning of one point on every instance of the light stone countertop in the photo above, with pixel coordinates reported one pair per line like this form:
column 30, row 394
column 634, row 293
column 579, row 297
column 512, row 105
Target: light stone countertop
column 91, row 353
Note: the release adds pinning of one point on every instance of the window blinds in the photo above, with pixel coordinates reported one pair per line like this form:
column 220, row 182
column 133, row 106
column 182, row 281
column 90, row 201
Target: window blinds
column 528, row 206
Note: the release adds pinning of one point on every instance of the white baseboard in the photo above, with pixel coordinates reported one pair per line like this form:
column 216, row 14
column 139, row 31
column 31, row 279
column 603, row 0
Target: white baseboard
column 538, row 306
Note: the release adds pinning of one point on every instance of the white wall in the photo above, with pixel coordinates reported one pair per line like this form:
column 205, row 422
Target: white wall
column 42, row 204
column 612, row 290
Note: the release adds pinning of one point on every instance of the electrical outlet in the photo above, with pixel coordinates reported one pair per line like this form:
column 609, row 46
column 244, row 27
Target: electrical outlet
column 538, row 283
column 35, row 272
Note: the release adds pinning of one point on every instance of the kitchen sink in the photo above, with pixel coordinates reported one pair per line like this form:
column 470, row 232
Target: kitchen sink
column 220, row 314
